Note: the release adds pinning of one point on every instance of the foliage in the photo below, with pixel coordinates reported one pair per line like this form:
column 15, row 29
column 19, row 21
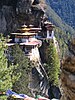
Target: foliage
column 6, row 80
column 53, row 64
column 64, row 9
column 62, row 38
column 54, row 18
column 21, row 86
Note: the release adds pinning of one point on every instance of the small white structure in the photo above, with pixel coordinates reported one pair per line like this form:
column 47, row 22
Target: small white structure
column 50, row 34
column 50, row 31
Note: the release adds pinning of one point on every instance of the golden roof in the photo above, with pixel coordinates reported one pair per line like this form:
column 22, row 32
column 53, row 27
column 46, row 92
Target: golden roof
column 26, row 33
column 24, row 29
column 28, row 29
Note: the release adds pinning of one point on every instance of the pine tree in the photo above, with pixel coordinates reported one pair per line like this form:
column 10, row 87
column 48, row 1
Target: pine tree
column 53, row 64
column 6, row 80
column 21, row 86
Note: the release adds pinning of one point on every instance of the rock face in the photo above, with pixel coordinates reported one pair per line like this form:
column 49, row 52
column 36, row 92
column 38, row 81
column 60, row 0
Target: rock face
column 9, row 17
column 24, row 13
column 68, row 76
column 24, row 6
column 19, row 12
column 2, row 22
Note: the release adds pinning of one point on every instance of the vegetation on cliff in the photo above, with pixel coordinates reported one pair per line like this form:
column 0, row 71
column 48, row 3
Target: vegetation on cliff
column 21, row 86
column 63, row 31
column 53, row 64
column 63, row 39
column 55, row 18
column 7, row 78
column 65, row 9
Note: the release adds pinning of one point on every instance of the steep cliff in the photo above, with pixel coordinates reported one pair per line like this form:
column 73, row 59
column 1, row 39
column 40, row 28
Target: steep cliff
column 68, row 75
column 18, row 12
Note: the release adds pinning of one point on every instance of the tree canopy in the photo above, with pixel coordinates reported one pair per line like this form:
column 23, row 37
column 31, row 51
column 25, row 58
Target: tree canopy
column 24, row 68
column 53, row 64
column 7, row 78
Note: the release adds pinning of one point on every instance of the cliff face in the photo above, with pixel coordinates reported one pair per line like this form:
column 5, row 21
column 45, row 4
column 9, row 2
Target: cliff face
column 68, row 75
column 18, row 12
column 65, row 9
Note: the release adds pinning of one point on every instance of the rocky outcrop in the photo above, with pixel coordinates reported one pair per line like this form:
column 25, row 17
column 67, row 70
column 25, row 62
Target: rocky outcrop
column 10, row 18
column 68, row 75
column 17, row 13
column 23, row 6
column 71, row 46
column 2, row 22
column 24, row 13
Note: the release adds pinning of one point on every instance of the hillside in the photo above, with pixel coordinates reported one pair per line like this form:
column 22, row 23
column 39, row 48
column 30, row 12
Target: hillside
column 63, row 31
column 65, row 9
column 55, row 18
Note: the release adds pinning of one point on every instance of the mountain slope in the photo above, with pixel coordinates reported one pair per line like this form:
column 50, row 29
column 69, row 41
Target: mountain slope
column 53, row 17
column 65, row 9
column 63, row 32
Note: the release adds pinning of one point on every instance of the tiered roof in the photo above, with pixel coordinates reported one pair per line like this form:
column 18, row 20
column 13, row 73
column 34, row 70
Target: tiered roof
column 24, row 34
column 49, row 25
column 25, row 31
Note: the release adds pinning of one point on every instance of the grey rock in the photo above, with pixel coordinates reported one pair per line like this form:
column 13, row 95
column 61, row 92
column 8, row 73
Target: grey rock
column 24, row 6
column 9, row 15
column 2, row 23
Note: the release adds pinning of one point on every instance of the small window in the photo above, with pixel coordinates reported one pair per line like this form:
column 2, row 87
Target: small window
column 50, row 34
